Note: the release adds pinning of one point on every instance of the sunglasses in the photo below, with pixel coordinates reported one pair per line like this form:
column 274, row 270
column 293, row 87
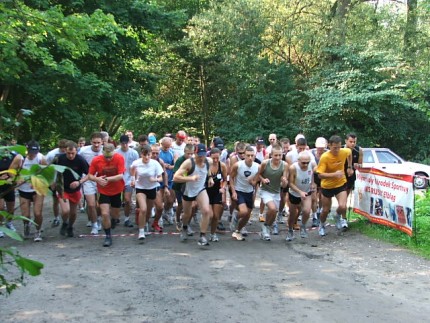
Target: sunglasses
column 240, row 152
column 305, row 163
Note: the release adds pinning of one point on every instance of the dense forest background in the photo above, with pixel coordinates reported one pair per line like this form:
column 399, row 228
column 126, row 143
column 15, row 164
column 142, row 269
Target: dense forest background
column 233, row 68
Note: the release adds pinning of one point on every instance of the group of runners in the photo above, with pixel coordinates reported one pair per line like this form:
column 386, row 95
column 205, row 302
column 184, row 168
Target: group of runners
column 291, row 180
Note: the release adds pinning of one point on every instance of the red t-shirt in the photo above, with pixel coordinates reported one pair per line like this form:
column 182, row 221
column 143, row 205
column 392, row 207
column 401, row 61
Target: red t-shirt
column 101, row 166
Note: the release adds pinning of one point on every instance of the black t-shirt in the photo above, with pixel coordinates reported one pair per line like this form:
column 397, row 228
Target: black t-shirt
column 79, row 165
column 6, row 160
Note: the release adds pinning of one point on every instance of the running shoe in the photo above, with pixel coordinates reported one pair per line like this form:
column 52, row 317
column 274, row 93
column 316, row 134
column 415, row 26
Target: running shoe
column 238, row 236
column 156, row 227
column 344, row 224
column 303, row 232
column 141, row 234
column 265, row 234
column 315, row 223
column 280, row 218
column 37, row 236
column 10, row 226
column 290, row 235
column 338, row 222
column 190, row 231
column 321, row 230
column 214, row 237
column 56, row 222
column 184, row 234
column 89, row 224
column 203, row 241
column 94, row 230
column 1, row 234
column 244, row 232
column 107, row 242
column 261, row 218
column 128, row 224
column 275, row 229
column 233, row 223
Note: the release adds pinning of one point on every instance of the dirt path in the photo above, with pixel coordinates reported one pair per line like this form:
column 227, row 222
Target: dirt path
column 338, row 278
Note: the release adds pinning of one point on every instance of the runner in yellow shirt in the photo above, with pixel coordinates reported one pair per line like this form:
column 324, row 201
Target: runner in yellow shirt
column 333, row 181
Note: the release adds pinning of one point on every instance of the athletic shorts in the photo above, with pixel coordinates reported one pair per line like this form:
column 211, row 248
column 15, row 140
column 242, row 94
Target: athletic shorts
column 114, row 200
column 27, row 195
column 89, row 188
column 150, row 194
column 329, row 193
column 294, row 199
column 269, row 196
column 245, row 198
column 74, row 197
column 10, row 195
column 191, row 198
column 215, row 197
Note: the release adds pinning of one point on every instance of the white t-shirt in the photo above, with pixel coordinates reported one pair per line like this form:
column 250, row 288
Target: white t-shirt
column 294, row 155
column 129, row 157
column 26, row 186
column 243, row 173
column 89, row 154
column 51, row 155
column 145, row 171
column 178, row 151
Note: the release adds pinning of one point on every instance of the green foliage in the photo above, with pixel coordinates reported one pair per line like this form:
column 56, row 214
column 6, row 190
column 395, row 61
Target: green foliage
column 361, row 91
column 41, row 177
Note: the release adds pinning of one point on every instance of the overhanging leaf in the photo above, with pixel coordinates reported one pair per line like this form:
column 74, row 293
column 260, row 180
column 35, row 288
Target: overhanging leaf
column 40, row 184
column 32, row 267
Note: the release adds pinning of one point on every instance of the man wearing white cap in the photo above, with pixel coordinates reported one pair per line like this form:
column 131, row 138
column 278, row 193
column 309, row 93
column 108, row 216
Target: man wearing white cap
column 320, row 148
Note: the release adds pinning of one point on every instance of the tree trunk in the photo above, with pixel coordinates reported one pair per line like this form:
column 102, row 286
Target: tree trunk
column 204, row 104
column 340, row 11
column 410, row 31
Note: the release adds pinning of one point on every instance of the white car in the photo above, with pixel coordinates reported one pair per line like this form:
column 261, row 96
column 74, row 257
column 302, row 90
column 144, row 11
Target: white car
column 384, row 159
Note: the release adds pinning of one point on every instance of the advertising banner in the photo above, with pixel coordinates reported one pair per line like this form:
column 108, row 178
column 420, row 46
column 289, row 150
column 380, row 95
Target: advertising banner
column 386, row 199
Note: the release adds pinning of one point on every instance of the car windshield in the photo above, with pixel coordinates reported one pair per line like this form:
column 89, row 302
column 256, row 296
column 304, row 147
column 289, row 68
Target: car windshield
column 386, row 157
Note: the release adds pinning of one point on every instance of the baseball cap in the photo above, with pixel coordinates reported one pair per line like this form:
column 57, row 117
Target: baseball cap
column 218, row 143
column 108, row 150
column 321, row 142
column 299, row 136
column 260, row 140
column 33, row 147
column 124, row 139
column 152, row 140
column 181, row 135
column 201, row 150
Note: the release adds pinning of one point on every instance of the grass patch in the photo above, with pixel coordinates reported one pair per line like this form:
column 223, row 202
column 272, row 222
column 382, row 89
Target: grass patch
column 419, row 243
